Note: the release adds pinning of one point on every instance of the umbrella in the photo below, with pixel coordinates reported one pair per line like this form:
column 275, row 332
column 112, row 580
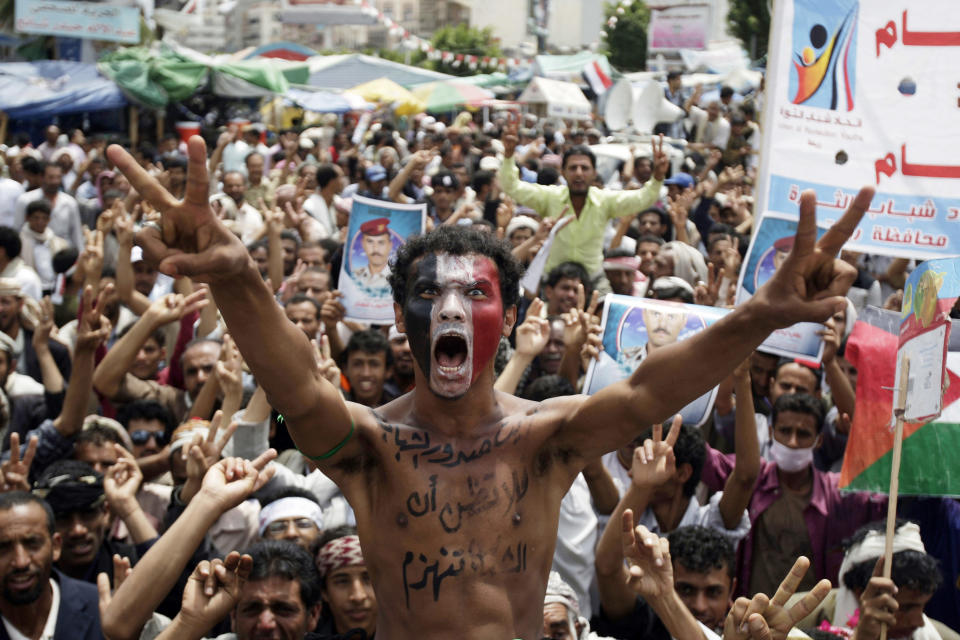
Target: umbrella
column 447, row 95
column 386, row 90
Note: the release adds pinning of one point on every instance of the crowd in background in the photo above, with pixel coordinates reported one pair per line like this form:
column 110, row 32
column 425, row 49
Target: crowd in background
column 140, row 456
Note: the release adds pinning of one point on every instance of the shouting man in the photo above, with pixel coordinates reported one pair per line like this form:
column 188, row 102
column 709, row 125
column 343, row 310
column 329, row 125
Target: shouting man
column 457, row 488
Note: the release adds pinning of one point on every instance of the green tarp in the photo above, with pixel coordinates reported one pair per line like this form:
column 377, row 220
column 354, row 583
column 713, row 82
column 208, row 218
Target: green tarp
column 155, row 77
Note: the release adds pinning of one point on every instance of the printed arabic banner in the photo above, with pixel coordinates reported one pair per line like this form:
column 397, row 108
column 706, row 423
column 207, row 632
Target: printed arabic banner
column 95, row 20
column 634, row 326
column 865, row 93
column 377, row 228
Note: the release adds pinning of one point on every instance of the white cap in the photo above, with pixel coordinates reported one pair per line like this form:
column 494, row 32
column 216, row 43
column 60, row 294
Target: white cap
column 136, row 254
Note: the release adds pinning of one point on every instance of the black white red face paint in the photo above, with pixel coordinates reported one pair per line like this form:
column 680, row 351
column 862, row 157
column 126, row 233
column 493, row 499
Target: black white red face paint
column 454, row 319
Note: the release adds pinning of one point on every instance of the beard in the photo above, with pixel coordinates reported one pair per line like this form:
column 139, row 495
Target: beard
column 24, row 597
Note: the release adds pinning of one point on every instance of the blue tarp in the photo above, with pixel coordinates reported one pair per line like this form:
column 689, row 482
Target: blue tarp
column 47, row 88
column 320, row 101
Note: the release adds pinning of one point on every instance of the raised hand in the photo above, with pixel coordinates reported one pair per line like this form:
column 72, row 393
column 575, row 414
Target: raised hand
column 93, row 329
column 15, row 472
column 534, row 332
column 651, row 571
column 121, row 483
column 203, row 453
column 121, row 571
column 173, row 306
column 878, row 605
column 332, row 311
column 831, row 341
column 41, row 333
column 762, row 618
column 230, row 481
column 213, row 590
column 191, row 240
column 811, row 283
column 229, row 369
column 326, row 365
column 654, row 462
column 91, row 260
column 708, row 294
column 510, row 136
column 660, row 159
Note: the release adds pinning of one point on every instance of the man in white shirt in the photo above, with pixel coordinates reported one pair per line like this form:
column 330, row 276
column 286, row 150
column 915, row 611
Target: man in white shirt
column 37, row 601
column 249, row 221
column 64, row 210
column 330, row 182
column 713, row 130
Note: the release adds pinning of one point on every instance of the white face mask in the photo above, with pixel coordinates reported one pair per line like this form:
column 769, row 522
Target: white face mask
column 791, row 460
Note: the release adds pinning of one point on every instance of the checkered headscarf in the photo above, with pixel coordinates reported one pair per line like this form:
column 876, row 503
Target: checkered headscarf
column 339, row 553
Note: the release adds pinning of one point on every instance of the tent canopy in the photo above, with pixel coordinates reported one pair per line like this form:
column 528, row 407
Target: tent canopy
column 51, row 87
column 569, row 68
column 349, row 70
column 388, row 91
column 448, row 95
column 558, row 99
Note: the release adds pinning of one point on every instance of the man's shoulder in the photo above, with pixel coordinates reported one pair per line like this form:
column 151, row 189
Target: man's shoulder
column 74, row 592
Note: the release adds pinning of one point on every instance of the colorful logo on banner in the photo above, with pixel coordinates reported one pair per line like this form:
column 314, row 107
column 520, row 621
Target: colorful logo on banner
column 824, row 69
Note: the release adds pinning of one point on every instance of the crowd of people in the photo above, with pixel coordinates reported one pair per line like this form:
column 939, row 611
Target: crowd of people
column 198, row 443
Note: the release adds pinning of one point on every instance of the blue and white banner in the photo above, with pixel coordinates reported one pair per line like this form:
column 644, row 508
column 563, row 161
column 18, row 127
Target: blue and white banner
column 865, row 93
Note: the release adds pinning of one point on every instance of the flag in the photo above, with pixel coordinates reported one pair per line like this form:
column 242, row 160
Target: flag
column 927, row 466
column 598, row 79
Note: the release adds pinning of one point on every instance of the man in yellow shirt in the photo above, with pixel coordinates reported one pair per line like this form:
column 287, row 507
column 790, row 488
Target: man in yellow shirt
column 582, row 239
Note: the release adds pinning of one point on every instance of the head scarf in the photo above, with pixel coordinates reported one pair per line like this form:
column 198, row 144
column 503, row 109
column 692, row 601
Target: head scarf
column 906, row 538
column 688, row 263
column 292, row 507
column 339, row 553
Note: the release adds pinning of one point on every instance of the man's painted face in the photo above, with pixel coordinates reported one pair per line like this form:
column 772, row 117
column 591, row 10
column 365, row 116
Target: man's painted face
column 454, row 317
column 377, row 249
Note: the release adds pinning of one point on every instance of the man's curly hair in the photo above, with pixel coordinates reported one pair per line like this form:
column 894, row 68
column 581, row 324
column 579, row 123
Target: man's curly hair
column 457, row 240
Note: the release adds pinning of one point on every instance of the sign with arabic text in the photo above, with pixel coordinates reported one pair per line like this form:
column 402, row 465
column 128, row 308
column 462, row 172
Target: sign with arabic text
column 92, row 20
column 866, row 93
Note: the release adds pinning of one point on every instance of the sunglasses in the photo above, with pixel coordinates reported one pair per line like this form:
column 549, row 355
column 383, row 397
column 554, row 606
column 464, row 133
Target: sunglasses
column 141, row 437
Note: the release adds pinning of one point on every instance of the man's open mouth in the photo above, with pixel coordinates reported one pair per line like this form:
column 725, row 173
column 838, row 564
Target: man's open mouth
column 450, row 352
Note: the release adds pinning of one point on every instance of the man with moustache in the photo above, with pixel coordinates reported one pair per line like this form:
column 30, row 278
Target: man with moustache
column 36, row 600
column 402, row 377
column 421, row 471
column 376, row 245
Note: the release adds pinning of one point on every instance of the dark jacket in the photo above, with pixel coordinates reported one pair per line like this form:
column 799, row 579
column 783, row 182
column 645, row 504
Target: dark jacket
column 79, row 615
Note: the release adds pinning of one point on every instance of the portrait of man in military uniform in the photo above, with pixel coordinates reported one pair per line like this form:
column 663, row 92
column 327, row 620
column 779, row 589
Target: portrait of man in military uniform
column 376, row 244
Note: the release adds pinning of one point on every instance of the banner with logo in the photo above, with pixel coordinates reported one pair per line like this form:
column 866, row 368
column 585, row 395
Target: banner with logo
column 865, row 93
column 377, row 228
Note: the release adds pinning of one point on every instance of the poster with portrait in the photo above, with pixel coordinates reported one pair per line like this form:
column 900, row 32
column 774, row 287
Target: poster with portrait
column 633, row 327
column 769, row 247
column 377, row 228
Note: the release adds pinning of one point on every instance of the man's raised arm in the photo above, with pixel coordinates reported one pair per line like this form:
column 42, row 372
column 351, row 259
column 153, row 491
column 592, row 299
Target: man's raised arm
column 808, row 287
column 192, row 241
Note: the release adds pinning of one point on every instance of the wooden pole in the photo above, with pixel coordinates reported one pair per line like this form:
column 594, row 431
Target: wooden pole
column 898, row 412
column 134, row 125
column 4, row 121
column 161, row 125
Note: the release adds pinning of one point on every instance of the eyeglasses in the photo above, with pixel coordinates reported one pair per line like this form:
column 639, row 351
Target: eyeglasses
column 141, row 437
column 279, row 526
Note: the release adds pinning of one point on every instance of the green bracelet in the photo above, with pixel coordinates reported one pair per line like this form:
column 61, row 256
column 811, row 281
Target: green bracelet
column 337, row 448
